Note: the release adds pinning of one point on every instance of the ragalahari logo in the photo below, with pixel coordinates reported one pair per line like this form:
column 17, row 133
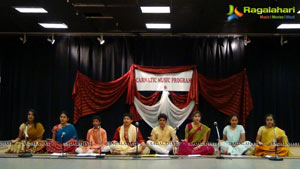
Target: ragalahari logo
column 233, row 13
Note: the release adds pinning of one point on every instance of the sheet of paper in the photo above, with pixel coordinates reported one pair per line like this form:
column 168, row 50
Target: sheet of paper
column 89, row 155
column 161, row 155
column 194, row 155
column 58, row 154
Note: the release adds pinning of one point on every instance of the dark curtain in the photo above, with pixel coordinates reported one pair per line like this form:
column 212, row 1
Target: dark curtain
column 40, row 75
column 273, row 72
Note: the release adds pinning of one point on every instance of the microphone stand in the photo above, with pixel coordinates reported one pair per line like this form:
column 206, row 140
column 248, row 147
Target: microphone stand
column 99, row 127
column 175, row 144
column 62, row 146
column 219, row 147
column 136, row 141
column 275, row 158
column 25, row 153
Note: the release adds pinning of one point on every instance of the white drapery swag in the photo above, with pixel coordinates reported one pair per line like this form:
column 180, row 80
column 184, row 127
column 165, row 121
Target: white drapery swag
column 175, row 115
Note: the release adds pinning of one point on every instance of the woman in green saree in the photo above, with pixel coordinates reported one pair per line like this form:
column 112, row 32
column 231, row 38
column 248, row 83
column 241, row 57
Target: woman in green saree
column 195, row 138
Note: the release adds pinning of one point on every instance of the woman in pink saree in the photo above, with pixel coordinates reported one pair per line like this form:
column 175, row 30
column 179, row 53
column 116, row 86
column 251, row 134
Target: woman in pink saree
column 195, row 138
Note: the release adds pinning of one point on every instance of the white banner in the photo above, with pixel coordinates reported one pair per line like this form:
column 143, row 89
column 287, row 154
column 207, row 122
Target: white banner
column 160, row 82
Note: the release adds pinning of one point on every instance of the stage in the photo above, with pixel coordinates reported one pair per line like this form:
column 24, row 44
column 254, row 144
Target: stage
column 72, row 161
column 125, row 162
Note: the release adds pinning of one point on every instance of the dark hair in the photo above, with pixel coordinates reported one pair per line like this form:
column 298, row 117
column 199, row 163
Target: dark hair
column 197, row 112
column 231, row 116
column 268, row 115
column 128, row 115
column 65, row 113
column 35, row 114
column 96, row 118
column 162, row 116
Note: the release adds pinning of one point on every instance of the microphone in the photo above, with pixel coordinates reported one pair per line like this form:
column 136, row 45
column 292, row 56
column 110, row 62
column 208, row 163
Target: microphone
column 62, row 144
column 25, row 153
column 174, row 142
column 136, row 143
column 99, row 127
column 216, row 124
column 275, row 137
column 219, row 147
column 137, row 129
column 26, row 129
column 275, row 158
column 63, row 134
column 176, row 128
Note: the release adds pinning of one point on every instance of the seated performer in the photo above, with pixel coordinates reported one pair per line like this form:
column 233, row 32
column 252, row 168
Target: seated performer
column 96, row 139
column 196, row 135
column 63, row 133
column 266, row 139
column 124, row 141
column 160, row 140
column 34, row 131
column 234, row 138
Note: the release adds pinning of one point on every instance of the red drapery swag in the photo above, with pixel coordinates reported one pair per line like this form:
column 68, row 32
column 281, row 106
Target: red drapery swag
column 90, row 96
column 230, row 96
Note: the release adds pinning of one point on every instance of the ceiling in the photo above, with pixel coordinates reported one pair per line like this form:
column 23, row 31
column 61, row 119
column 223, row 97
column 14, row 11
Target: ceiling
column 125, row 16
